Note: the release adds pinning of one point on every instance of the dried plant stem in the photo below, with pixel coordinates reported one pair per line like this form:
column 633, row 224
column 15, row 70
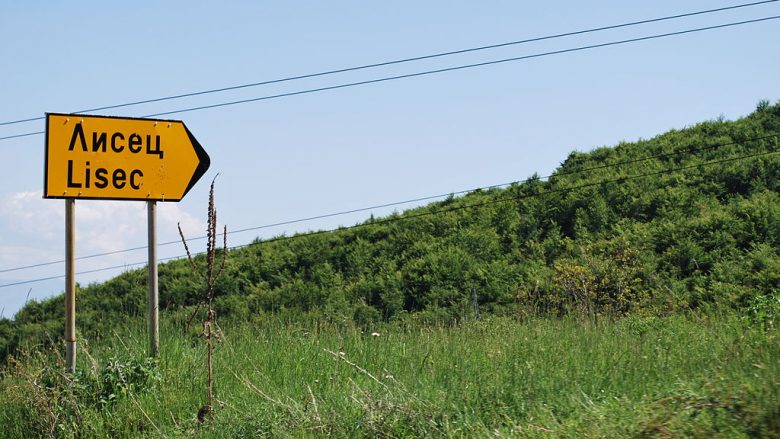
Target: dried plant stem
column 360, row 369
column 135, row 401
column 314, row 404
column 210, row 277
column 210, row 348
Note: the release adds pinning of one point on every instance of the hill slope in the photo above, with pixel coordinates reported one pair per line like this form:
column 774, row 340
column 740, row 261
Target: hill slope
column 685, row 220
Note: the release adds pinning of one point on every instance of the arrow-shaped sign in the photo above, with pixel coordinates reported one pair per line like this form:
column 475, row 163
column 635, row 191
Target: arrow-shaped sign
column 98, row 157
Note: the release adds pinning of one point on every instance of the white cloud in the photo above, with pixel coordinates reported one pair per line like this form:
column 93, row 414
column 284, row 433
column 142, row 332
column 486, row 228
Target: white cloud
column 32, row 231
column 169, row 214
column 32, row 227
column 27, row 213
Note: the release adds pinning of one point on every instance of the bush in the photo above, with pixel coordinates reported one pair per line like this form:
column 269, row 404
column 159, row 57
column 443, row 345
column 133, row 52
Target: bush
column 764, row 310
column 48, row 403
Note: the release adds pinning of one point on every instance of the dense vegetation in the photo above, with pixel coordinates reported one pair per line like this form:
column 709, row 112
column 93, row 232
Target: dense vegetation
column 634, row 293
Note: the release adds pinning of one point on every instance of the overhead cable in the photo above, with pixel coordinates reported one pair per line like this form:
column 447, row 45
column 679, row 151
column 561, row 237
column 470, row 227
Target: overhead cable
column 437, row 71
column 404, row 60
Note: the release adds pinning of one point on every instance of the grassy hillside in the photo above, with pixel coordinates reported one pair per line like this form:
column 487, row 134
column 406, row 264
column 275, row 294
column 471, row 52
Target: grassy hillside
column 686, row 220
column 714, row 376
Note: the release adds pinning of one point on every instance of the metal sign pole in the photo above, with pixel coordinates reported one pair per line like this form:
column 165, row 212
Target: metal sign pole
column 70, row 285
column 154, row 298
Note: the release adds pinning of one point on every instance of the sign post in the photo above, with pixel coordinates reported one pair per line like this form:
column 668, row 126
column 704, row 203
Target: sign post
column 113, row 158
column 70, row 285
column 154, row 297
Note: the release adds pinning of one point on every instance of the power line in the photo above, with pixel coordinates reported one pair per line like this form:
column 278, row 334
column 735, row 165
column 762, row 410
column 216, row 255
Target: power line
column 16, row 136
column 688, row 150
column 465, row 66
column 442, row 70
column 436, row 212
column 403, row 60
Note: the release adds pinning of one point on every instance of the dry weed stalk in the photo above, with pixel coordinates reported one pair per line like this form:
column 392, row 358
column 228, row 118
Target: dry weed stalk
column 209, row 277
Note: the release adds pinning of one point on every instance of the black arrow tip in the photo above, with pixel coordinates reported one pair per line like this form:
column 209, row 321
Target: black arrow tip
column 203, row 161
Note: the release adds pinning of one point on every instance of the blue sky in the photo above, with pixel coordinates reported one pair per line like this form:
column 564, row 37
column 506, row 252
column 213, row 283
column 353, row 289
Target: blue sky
column 344, row 149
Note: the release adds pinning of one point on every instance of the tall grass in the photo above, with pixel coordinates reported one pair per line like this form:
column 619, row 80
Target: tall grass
column 640, row 377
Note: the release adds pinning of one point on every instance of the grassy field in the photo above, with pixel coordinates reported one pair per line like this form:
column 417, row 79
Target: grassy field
column 639, row 377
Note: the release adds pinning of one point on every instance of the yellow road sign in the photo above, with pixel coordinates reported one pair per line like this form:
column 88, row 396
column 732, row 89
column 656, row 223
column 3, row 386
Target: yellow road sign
column 99, row 157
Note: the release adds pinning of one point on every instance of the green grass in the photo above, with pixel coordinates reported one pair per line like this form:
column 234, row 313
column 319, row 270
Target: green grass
column 651, row 377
